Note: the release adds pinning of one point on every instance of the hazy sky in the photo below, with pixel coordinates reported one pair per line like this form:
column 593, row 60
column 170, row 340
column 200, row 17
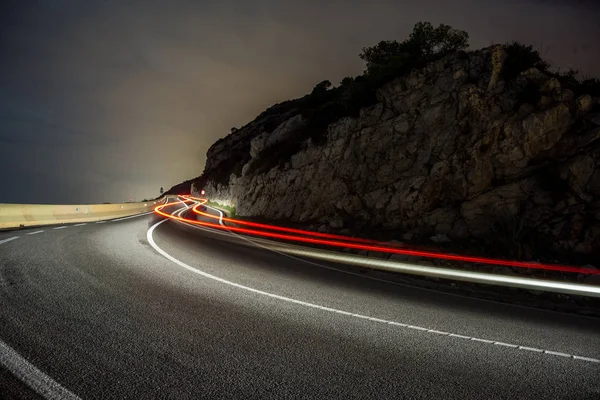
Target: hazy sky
column 107, row 100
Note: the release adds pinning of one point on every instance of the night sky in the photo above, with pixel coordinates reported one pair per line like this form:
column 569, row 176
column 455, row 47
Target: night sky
column 107, row 100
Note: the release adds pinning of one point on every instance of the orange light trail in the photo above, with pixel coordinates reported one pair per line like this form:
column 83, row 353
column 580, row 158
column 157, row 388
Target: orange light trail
column 278, row 228
column 368, row 247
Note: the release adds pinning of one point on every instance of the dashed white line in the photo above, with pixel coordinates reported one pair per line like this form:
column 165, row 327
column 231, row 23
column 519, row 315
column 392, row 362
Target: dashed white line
column 514, row 346
column 437, row 332
column 9, row 239
column 133, row 216
column 482, row 340
column 459, row 336
column 60, row 227
column 100, row 222
column 417, row 328
column 341, row 312
column 594, row 360
column 34, row 233
column 85, row 223
column 556, row 353
column 534, row 349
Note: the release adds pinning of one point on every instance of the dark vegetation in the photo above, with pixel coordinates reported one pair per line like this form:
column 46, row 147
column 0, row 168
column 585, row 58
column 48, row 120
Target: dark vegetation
column 390, row 59
column 521, row 57
column 385, row 61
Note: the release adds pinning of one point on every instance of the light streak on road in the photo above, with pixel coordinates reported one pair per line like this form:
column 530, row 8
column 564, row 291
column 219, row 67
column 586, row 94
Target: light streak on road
column 360, row 246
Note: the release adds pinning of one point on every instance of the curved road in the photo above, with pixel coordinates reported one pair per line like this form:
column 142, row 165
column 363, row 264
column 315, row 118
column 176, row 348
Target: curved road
column 140, row 308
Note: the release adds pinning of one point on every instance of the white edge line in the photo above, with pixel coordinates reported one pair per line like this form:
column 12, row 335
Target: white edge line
column 9, row 239
column 556, row 353
column 34, row 233
column 534, row 349
column 33, row 377
column 514, row 346
column 422, row 270
column 362, row 276
column 594, row 360
column 151, row 241
column 133, row 216
column 482, row 340
column 459, row 336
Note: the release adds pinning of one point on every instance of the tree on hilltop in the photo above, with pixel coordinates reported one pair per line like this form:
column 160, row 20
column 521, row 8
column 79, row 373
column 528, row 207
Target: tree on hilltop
column 424, row 44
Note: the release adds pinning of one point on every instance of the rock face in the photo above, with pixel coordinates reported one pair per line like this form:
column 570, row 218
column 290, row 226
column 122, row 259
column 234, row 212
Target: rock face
column 449, row 150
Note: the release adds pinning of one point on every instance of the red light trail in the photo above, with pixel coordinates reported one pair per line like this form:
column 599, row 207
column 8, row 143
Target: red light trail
column 279, row 228
column 369, row 246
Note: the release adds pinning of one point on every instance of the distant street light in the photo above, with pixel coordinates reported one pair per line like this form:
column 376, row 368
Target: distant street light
column 202, row 192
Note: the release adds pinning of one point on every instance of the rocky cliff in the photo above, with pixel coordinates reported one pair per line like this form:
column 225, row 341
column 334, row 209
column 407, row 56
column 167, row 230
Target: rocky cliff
column 456, row 150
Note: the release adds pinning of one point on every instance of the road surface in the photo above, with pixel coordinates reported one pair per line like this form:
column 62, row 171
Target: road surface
column 111, row 311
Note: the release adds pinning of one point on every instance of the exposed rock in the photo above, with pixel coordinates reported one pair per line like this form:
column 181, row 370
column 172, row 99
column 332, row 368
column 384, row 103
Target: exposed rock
column 440, row 238
column 534, row 75
column 258, row 143
column 551, row 87
column 543, row 130
column 336, row 223
column 584, row 104
column 448, row 151
column 498, row 57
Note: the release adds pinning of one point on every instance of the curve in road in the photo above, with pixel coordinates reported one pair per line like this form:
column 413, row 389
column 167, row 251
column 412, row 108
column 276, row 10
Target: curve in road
column 106, row 316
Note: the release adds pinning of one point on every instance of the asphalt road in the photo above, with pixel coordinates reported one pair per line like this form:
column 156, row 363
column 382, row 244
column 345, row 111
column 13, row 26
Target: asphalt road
column 101, row 313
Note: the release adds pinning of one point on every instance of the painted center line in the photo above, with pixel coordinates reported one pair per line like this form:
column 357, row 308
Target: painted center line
column 80, row 224
column 100, row 222
column 34, row 233
column 9, row 239
column 60, row 227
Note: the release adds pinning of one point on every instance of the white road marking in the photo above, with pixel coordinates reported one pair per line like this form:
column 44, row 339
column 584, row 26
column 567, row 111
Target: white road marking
column 437, row 332
column 556, row 353
column 459, row 336
column 514, row 346
column 150, row 239
column 133, row 216
column 9, row 239
column 482, row 340
column 85, row 223
column 585, row 359
column 362, row 276
column 34, row 233
column 33, row 377
column 534, row 349
column 304, row 260
column 417, row 328
column 100, row 222
column 60, row 227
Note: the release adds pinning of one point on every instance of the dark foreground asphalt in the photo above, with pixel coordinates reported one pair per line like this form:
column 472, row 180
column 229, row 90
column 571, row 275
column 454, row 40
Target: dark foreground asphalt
column 101, row 312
